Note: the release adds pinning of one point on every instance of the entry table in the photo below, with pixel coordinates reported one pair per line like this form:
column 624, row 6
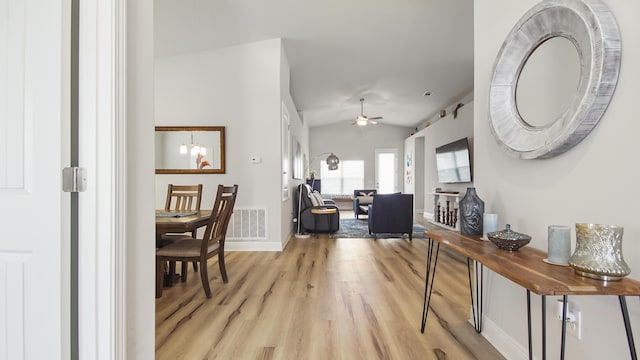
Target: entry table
column 526, row 268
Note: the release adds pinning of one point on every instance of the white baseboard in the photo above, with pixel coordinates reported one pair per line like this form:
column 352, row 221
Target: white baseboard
column 505, row 344
column 253, row 246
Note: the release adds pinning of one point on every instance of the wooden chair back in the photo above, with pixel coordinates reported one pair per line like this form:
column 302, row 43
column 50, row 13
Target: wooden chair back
column 216, row 231
column 183, row 197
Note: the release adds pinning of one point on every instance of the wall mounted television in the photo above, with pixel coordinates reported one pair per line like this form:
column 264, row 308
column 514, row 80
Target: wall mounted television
column 453, row 162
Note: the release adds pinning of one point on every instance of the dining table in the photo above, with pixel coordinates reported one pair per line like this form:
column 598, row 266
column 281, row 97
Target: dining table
column 178, row 222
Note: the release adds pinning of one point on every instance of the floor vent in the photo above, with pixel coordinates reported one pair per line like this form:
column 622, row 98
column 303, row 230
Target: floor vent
column 248, row 224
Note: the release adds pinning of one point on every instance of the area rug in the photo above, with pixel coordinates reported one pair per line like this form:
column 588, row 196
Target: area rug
column 358, row 228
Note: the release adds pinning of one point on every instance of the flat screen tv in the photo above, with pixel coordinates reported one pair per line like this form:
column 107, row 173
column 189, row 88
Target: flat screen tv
column 453, row 162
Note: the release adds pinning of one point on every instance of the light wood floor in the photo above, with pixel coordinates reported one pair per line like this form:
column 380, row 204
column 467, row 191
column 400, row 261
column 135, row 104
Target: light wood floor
column 322, row 298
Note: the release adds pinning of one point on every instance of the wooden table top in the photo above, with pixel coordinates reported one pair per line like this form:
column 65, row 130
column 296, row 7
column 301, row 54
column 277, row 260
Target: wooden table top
column 181, row 224
column 324, row 211
column 526, row 268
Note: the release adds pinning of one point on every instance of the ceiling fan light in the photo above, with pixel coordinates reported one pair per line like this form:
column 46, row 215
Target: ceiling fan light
column 361, row 121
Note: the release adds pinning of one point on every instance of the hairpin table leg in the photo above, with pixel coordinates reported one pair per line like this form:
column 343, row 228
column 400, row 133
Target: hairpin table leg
column 627, row 327
column 432, row 257
column 477, row 300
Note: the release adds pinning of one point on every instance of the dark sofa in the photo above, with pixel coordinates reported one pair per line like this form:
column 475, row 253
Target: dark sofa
column 315, row 223
column 391, row 214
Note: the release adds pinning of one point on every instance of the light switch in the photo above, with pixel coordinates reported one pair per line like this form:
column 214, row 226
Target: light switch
column 256, row 159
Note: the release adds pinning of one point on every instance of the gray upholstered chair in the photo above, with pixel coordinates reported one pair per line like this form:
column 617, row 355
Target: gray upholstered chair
column 391, row 214
column 361, row 201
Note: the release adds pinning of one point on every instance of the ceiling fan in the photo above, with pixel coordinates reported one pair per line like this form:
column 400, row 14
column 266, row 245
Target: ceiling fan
column 363, row 120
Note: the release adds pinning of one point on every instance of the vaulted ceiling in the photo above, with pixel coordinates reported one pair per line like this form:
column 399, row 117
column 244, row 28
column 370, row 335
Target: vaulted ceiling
column 389, row 52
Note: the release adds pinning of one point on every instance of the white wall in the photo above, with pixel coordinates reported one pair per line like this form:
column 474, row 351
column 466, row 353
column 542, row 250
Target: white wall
column 442, row 131
column 301, row 132
column 240, row 88
column 596, row 181
column 350, row 142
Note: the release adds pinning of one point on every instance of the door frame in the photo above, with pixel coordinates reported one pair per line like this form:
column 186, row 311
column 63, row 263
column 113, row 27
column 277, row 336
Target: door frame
column 102, row 146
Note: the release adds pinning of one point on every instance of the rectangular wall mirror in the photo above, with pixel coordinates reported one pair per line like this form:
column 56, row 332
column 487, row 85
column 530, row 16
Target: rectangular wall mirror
column 189, row 150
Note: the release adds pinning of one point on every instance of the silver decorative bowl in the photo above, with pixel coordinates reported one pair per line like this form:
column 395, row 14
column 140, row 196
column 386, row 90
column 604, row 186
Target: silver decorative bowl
column 508, row 239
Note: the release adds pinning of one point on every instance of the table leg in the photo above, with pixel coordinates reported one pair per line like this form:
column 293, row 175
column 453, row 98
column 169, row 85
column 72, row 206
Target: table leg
column 564, row 326
column 330, row 225
column 172, row 274
column 432, row 257
column 544, row 327
column 529, row 324
column 315, row 225
column 627, row 327
column 477, row 301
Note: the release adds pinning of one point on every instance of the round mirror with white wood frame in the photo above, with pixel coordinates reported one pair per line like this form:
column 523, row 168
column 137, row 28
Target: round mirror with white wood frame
column 592, row 29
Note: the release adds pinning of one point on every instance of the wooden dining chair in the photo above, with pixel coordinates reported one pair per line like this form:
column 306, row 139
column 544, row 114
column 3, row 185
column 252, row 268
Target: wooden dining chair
column 182, row 198
column 200, row 250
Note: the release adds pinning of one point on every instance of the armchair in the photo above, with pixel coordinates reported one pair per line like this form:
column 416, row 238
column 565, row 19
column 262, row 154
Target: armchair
column 361, row 201
column 391, row 213
column 313, row 216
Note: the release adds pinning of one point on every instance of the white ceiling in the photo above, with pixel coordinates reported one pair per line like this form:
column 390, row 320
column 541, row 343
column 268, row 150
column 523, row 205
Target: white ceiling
column 388, row 51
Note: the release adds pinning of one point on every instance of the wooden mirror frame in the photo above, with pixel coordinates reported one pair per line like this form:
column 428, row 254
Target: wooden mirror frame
column 220, row 129
column 591, row 27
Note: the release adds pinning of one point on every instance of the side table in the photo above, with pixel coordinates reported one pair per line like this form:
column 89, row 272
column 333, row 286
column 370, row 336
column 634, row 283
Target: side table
column 322, row 211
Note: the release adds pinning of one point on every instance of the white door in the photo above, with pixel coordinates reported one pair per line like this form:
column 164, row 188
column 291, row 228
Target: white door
column 386, row 170
column 34, row 123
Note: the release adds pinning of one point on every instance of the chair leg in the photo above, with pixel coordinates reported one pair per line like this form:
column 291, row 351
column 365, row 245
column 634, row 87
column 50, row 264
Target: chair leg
column 183, row 271
column 172, row 273
column 223, row 269
column 204, row 276
column 159, row 277
column 195, row 263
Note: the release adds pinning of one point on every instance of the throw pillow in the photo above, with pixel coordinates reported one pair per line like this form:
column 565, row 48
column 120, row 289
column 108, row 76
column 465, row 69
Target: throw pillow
column 370, row 193
column 365, row 200
column 316, row 199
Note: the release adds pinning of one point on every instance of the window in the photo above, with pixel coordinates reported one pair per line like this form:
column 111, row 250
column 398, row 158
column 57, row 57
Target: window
column 348, row 177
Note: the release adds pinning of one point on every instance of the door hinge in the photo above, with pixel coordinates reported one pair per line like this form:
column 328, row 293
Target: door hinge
column 74, row 179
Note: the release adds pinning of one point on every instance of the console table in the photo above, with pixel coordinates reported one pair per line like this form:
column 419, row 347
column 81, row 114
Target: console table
column 526, row 268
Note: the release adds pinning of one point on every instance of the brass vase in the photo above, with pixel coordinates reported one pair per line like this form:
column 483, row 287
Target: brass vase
column 598, row 252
